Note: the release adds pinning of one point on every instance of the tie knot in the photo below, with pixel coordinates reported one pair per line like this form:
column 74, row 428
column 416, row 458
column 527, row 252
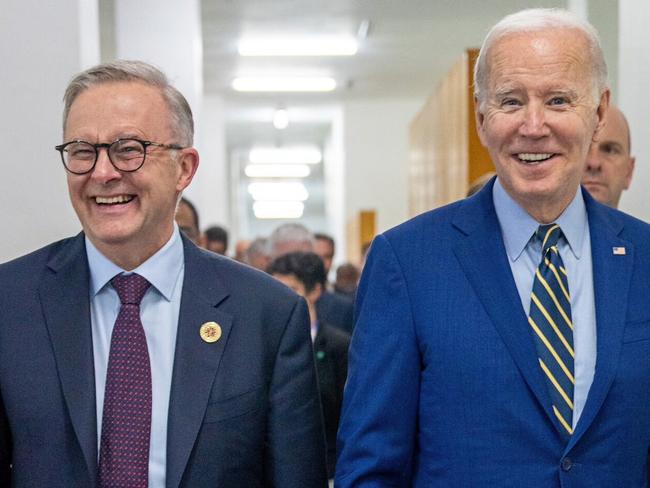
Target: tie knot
column 549, row 234
column 130, row 288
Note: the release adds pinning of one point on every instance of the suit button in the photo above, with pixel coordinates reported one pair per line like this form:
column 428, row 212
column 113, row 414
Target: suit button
column 566, row 464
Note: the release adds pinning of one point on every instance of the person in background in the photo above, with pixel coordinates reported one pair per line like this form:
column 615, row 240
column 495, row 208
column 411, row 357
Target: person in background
column 610, row 164
column 187, row 219
column 216, row 239
column 241, row 246
column 502, row 340
column 479, row 183
column 257, row 254
column 332, row 308
column 128, row 356
column 347, row 279
column 325, row 248
column 304, row 273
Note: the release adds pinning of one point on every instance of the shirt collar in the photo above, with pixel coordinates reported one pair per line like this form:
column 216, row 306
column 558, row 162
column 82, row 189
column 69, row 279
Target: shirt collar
column 161, row 269
column 517, row 226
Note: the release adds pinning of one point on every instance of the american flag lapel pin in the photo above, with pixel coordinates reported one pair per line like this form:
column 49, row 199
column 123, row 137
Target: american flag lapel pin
column 618, row 251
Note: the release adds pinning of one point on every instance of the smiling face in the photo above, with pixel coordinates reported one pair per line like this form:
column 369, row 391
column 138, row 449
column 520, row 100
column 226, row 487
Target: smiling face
column 127, row 216
column 609, row 165
column 538, row 116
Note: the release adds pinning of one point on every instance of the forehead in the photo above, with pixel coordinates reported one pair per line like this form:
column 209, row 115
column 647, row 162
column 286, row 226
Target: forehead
column 119, row 106
column 553, row 57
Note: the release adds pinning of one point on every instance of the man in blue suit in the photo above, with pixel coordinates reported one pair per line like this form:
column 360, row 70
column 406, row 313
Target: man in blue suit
column 128, row 356
column 478, row 361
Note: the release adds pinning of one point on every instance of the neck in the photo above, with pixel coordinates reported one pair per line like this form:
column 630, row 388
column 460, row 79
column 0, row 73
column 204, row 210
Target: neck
column 129, row 256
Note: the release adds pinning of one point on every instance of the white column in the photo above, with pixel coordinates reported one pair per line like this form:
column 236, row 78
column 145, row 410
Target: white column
column 42, row 46
column 633, row 82
column 376, row 154
column 167, row 33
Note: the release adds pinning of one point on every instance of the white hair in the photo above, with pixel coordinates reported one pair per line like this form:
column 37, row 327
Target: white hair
column 534, row 20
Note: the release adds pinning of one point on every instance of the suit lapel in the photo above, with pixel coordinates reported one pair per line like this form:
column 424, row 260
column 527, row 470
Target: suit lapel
column 482, row 255
column 612, row 275
column 195, row 361
column 64, row 294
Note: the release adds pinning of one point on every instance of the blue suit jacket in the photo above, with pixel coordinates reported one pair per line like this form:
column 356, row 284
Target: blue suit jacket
column 444, row 387
column 243, row 411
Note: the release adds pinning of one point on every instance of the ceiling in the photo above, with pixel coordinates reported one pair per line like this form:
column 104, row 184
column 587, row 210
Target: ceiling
column 409, row 46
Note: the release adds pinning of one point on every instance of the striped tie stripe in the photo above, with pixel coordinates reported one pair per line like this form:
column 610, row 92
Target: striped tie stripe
column 550, row 320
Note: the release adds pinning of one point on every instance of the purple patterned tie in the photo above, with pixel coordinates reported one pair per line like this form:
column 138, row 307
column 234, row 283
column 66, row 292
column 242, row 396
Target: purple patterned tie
column 126, row 420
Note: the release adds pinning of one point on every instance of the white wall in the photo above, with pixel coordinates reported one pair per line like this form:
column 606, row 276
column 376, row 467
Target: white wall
column 376, row 156
column 41, row 48
column 633, row 83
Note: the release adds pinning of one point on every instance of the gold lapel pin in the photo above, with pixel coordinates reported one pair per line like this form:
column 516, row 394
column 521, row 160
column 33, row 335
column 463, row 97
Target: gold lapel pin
column 210, row 332
column 618, row 251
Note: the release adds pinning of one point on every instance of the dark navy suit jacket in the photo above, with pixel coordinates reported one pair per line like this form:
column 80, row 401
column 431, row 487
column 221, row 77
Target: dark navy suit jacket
column 444, row 387
column 243, row 411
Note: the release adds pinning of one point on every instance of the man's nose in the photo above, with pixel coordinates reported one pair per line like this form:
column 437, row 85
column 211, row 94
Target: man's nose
column 104, row 169
column 534, row 121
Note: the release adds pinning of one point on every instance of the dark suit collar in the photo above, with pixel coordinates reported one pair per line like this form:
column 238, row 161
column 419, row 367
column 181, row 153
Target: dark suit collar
column 196, row 362
column 65, row 297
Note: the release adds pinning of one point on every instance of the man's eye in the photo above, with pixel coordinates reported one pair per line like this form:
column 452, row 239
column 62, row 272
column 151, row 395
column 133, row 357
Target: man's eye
column 558, row 101
column 510, row 102
column 610, row 149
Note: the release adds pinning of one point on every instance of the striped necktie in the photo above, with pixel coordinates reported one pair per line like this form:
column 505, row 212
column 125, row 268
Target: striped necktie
column 550, row 319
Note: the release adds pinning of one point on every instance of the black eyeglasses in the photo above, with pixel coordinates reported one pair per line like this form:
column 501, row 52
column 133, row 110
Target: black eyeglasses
column 127, row 155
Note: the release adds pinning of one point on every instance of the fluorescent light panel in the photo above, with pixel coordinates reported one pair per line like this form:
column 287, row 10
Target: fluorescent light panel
column 280, row 191
column 277, row 170
column 315, row 46
column 285, row 155
column 278, row 210
column 284, row 84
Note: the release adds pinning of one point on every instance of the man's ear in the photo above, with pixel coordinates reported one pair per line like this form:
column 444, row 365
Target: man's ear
column 601, row 110
column 188, row 161
column 630, row 172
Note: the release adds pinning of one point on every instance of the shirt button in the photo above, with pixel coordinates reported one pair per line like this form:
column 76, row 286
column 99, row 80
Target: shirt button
column 566, row 464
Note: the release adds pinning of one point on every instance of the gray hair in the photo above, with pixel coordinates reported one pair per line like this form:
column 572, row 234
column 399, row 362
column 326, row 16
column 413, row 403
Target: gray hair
column 534, row 20
column 289, row 238
column 135, row 71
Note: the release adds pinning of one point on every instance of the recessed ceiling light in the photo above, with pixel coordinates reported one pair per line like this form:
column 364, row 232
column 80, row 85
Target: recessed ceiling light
column 281, row 119
column 280, row 191
column 284, row 84
column 296, row 46
column 285, row 155
column 277, row 170
column 278, row 210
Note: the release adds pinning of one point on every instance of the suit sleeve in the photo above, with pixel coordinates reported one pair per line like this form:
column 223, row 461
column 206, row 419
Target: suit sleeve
column 296, row 451
column 377, row 432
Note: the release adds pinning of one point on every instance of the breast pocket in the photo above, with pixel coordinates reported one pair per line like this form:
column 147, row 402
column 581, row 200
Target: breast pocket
column 637, row 331
column 234, row 406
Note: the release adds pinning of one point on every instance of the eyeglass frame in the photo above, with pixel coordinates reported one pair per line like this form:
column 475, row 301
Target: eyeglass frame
column 107, row 146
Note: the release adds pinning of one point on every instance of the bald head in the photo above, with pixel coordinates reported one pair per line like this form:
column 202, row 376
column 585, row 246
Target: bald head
column 609, row 165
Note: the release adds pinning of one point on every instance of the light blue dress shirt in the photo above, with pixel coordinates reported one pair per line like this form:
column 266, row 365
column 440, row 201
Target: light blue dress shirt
column 525, row 252
column 159, row 312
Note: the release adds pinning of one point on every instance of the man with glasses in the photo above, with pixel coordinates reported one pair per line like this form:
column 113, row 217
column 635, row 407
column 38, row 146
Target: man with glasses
column 129, row 357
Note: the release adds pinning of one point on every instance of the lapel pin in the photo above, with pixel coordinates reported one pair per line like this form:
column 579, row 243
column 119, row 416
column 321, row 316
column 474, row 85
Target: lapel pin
column 210, row 332
column 618, row 251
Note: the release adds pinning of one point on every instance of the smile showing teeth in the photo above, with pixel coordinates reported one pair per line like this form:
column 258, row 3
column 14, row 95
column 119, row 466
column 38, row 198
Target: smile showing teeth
column 113, row 200
column 534, row 157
